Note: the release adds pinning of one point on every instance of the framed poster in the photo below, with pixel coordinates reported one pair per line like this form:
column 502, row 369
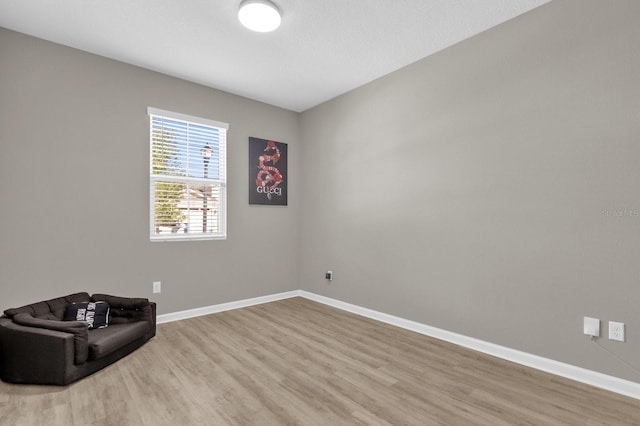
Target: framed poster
column 267, row 172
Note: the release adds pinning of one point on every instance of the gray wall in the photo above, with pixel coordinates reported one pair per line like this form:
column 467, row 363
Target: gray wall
column 468, row 190
column 74, row 185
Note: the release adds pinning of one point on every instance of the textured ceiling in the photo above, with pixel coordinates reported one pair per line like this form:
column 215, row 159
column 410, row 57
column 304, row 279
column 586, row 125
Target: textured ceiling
column 323, row 48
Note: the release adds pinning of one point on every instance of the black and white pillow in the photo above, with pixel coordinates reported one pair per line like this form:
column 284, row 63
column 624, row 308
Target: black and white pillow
column 96, row 314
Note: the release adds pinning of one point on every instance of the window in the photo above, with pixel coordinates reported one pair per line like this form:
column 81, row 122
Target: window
column 187, row 177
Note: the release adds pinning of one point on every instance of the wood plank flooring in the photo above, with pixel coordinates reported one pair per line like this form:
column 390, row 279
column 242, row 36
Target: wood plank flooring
column 299, row 362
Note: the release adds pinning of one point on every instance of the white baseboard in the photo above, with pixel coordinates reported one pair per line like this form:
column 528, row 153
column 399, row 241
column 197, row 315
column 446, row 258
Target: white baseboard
column 593, row 378
column 206, row 310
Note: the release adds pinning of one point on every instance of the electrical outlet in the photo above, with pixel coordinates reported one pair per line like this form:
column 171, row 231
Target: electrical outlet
column 592, row 327
column 157, row 286
column 328, row 276
column 616, row 331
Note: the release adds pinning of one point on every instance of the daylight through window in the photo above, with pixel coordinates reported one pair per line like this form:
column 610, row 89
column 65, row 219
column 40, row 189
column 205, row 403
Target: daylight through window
column 187, row 176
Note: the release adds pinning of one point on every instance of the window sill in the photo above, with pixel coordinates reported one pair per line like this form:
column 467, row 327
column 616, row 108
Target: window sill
column 163, row 239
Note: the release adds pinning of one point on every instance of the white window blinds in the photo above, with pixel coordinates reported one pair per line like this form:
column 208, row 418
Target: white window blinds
column 187, row 176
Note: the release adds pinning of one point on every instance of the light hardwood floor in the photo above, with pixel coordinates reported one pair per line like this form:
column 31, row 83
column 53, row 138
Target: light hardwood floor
column 299, row 362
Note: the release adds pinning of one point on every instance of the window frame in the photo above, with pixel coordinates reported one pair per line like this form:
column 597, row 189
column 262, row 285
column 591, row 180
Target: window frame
column 220, row 182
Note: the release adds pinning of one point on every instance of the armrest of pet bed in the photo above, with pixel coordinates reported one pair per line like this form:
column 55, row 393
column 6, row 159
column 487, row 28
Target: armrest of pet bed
column 77, row 329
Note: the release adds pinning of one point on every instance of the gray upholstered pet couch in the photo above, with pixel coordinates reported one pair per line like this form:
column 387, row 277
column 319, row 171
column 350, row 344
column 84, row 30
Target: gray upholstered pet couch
column 38, row 347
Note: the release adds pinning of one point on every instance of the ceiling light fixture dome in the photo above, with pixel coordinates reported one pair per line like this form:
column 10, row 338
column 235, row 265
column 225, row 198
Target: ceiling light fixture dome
column 259, row 15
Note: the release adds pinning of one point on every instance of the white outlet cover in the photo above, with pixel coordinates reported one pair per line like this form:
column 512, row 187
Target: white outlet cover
column 616, row 331
column 157, row 286
column 592, row 326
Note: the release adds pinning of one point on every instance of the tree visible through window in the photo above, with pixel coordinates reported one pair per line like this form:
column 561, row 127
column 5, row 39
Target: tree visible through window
column 188, row 177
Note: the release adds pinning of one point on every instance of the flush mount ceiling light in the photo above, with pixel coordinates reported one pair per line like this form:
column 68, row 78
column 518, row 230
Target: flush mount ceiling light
column 259, row 15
